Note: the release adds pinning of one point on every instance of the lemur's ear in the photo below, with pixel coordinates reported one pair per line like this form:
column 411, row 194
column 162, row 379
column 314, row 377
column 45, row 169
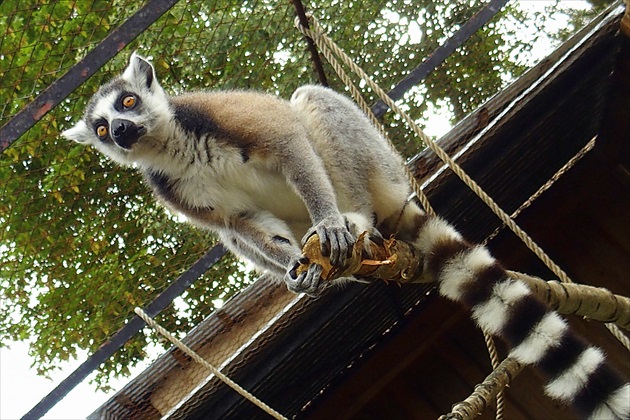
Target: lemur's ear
column 80, row 133
column 140, row 71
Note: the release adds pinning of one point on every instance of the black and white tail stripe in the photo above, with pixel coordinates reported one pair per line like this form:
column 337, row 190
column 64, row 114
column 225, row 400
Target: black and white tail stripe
column 578, row 372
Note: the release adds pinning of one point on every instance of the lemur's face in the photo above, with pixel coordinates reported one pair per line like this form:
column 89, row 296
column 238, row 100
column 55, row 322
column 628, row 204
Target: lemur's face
column 124, row 115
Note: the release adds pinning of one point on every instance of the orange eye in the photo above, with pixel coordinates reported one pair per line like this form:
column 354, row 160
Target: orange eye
column 129, row 101
column 101, row 130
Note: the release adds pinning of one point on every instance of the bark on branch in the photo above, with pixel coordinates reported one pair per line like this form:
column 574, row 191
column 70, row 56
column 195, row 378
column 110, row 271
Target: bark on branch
column 372, row 258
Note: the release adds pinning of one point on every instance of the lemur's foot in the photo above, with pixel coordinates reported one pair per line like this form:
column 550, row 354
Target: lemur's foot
column 309, row 281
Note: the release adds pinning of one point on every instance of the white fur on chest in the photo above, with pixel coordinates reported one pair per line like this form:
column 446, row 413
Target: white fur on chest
column 231, row 186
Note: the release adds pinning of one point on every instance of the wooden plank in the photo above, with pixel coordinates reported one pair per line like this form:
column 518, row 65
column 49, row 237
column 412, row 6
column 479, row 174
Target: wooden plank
column 372, row 375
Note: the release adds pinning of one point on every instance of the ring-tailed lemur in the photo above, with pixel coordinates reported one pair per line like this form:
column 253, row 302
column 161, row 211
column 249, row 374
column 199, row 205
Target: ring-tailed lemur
column 264, row 173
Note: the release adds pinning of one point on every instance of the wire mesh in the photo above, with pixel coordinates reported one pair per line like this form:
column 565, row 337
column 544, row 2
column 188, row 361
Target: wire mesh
column 82, row 242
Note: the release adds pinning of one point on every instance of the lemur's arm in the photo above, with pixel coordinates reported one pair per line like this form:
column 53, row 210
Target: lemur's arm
column 268, row 242
column 282, row 142
column 243, row 248
column 305, row 171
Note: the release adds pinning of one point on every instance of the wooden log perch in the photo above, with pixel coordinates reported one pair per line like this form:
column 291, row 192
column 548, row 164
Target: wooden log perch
column 485, row 392
column 372, row 258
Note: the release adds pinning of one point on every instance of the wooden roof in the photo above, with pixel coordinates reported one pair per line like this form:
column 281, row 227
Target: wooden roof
column 390, row 351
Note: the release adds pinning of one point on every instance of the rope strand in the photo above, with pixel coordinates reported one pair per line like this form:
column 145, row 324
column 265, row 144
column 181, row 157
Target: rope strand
column 496, row 362
column 229, row 382
column 575, row 159
column 323, row 43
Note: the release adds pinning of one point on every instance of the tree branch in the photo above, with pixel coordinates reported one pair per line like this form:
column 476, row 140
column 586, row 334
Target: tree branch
column 372, row 258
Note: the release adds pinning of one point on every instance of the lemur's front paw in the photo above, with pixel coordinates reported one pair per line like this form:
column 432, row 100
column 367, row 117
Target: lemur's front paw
column 309, row 281
column 335, row 240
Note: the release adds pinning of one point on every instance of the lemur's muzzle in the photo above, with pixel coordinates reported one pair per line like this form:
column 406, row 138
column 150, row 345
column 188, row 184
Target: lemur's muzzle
column 126, row 133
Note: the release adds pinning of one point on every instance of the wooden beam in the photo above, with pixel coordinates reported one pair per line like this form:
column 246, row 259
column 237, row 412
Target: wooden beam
column 371, row 376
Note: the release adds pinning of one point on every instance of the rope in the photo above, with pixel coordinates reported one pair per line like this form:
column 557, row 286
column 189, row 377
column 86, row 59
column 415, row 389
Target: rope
column 242, row 391
column 485, row 391
column 575, row 159
column 328, row 47
column 494, row 360
column 619, row 335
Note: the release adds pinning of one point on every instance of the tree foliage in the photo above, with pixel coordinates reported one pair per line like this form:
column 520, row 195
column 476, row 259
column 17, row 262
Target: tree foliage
column 82, row 242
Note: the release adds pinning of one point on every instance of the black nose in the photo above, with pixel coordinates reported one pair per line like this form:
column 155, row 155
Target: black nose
column 120, row 126
column 126, row 133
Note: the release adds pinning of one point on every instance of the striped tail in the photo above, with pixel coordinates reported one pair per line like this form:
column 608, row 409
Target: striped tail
column 502, row 306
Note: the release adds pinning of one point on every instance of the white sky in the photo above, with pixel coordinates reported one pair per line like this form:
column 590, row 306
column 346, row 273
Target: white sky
column 21, row 388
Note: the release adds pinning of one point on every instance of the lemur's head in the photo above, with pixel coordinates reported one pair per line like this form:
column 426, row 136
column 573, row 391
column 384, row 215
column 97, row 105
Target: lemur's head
column 126, row 115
